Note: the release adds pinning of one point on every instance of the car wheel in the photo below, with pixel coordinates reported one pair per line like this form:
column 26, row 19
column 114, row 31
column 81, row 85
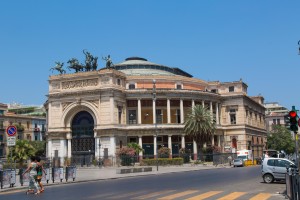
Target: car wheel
column 268, row 178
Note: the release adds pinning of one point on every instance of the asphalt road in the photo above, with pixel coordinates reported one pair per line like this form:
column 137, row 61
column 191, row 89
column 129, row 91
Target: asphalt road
column 225, row 183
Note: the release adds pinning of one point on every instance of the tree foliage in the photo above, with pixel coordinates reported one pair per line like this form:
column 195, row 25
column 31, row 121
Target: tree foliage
column 40, row 147
column 22, row 151
column 280, row 138
column 199, row 124
column 136, row 147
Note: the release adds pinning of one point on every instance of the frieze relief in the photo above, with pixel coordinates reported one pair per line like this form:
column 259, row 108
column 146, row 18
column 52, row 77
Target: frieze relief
column 79, row 83
column 55, row 86
column 105, row 80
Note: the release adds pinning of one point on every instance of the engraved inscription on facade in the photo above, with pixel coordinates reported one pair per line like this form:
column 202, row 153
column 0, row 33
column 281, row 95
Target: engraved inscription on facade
column 79, row 83
column 105, row 80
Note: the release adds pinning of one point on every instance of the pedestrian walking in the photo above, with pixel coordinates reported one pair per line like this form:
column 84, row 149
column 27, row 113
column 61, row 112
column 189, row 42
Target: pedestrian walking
column 40, row 170
column 33, row 187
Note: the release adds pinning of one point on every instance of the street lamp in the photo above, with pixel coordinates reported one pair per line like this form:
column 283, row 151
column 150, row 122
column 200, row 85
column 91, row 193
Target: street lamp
column 155, row 122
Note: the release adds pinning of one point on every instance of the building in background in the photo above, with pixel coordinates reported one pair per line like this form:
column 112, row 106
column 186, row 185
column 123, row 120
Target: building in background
column 29, row 120
column 95, row 113
column 276, row 114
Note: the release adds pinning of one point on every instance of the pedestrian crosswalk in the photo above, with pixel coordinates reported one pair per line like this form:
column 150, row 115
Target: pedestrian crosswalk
column 194, row 195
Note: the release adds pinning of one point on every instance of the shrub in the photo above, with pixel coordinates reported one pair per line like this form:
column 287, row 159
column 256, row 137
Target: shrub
column 164, row 152
column 162, row 161
column 126, row 154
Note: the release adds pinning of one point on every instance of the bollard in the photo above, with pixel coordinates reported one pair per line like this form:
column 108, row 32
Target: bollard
column 1, row 178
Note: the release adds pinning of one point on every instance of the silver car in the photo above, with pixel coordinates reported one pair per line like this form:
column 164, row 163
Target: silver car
column 274, row 169
column 238, row 163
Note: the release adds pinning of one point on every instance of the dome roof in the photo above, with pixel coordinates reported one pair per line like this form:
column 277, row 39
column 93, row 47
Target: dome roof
column 141, row 66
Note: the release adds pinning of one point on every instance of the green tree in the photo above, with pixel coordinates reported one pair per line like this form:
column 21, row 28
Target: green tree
column 280, row 138
column 40, row 147
column 199, row 124
column 22, row 151
column 136, row 147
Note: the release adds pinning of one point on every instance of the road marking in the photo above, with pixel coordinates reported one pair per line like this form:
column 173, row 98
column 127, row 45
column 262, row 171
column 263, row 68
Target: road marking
column 261, row 196
column 122, row 196
column 204, row 195
column 13, row 191
column 154, row 194
column 232, row 196
column 177, row 195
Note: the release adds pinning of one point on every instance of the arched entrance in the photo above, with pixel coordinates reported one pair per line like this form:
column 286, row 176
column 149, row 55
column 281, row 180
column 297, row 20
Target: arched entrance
column 83, row 141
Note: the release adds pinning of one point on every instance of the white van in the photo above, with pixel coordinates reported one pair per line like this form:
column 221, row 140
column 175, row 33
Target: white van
column 244, row 154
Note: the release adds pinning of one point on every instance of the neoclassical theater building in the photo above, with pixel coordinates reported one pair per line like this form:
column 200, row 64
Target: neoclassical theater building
column 97, row 112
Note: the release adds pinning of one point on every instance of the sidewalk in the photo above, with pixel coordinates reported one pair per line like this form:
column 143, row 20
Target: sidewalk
column 94, row 174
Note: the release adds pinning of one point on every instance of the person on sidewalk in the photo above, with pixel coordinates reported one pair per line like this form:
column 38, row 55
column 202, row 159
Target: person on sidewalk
column 40, row 170
column 32, row 176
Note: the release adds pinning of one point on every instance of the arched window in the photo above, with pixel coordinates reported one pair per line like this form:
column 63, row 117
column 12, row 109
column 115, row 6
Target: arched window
column 131, row 86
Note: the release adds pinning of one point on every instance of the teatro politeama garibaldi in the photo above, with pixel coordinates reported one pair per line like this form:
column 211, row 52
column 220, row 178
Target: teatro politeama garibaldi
column 94, row 113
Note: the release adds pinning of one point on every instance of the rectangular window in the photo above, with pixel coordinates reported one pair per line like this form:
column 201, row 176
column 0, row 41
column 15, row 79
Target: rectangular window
column 214, row 90
column 1, row 112
column 28, row 124
column 278, row 121
column 231, row 89
column 178, row 87
column 1, row 124
column 132, row 116
column 1, row 138
column 178, row 116
column 131, row 86
column 159, row 116
column 274, row 121
column 35, row 125
column 232, row 119
column 43, row 127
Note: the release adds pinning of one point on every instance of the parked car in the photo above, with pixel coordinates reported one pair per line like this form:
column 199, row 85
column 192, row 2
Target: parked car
column 274, row 169
column 238, row 163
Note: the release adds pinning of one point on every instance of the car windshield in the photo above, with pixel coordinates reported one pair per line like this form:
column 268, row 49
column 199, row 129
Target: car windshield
column 237, row 160
column 242, row 157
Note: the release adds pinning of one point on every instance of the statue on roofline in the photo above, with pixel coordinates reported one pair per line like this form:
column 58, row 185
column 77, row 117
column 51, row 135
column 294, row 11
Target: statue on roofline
column 58, row 67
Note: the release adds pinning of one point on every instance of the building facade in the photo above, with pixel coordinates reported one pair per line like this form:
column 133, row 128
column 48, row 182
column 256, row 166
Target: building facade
column 97, row 112
column 25, row 124
column 276, row 114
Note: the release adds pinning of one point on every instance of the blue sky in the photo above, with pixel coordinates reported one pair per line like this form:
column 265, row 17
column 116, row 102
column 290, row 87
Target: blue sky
column 212, row 40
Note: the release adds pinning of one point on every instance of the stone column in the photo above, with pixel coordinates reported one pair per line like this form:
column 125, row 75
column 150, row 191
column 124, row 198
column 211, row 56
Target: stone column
column 112, row 109
column 193, row 103
column 217, row 114
column 154, row 111
column 62, row 153
column 195, row 149
column 169, row 111
column 155, row 145
column 219, row 140
column 69, row 148
column 141, row 145
column 181, row 112
column 170, row 145
column 203, row 103
column 50, row 149
column 98, row 148
column 211, row 108
column 113, row 146
column 182, row 141
column 139, row 112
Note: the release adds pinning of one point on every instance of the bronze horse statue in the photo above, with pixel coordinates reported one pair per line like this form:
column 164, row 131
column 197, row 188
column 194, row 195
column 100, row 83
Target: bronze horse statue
column 74, row 64
column 58, row 67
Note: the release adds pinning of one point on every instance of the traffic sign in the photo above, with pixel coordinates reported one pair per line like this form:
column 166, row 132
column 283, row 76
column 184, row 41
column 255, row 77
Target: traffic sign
column 11, row 131
column 11, row 141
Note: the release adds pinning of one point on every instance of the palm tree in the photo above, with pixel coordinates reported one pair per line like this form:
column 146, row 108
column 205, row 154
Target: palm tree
column 199, row 124
column 22, row 151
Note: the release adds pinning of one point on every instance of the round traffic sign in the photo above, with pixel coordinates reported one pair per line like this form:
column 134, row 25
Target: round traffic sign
column 11, row 130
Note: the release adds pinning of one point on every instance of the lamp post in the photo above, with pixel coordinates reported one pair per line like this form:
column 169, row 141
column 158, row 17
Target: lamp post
column 100, row 163
column 155, row 122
